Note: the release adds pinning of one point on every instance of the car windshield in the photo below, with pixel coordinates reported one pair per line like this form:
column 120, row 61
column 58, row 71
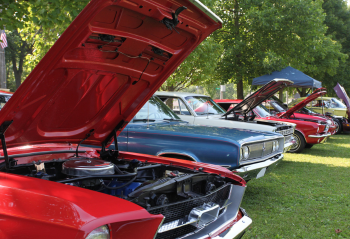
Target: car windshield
column 277, row 104
column 204, row 105
column 335, row 103
column 262, row 111
column 154, row 110
column 308, row 111
column 3, row 100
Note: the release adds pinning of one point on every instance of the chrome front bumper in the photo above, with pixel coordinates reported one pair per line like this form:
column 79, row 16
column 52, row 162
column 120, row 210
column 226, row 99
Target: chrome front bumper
column 237, row 230
column 288, row 145
column 257, row 170
column 320, row 135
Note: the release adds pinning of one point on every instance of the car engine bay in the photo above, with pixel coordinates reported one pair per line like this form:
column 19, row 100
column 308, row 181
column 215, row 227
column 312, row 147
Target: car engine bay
column 182, row 195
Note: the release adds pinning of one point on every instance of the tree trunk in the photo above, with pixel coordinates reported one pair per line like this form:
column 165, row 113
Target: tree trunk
column 281, row 95
column 240, row 89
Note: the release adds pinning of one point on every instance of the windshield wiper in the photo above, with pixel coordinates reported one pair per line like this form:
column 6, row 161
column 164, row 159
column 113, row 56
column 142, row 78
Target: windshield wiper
column 172, row 119
column 143, row 120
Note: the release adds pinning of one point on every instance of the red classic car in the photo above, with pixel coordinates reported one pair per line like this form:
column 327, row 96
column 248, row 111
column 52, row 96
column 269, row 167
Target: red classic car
column 91, row 83
column 337, row 123
column 306, row 134
column 282, row 111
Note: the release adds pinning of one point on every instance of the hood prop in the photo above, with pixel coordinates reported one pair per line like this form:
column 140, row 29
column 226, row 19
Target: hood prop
column 86, row 137
column 172, row 23
column 112, row 153
column 3, row 128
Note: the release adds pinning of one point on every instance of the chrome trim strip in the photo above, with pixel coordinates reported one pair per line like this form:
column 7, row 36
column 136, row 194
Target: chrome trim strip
column 319, row 136
column 183, row 154
column 206, row 10
column 258, row 141
column 252, row 167
column 160, row 224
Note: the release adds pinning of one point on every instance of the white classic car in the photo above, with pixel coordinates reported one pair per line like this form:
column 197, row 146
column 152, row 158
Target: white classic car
column 202, row 110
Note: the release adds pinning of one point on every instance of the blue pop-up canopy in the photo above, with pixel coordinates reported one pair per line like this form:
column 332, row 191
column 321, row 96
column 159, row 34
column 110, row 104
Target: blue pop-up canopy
column 299, row 78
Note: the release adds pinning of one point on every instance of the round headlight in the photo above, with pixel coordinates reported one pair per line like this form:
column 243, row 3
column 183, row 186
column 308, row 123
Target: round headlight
column 101, row 232
column 277, row 145
column 245, row 152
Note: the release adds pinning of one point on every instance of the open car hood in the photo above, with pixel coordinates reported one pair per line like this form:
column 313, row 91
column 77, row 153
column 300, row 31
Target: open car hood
column 103, row 69
column 255, row 99
column 314, row 95
column 341, row 93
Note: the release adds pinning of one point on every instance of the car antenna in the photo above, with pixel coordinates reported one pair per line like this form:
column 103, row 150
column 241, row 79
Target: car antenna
column 207, row 108
column 147, row 114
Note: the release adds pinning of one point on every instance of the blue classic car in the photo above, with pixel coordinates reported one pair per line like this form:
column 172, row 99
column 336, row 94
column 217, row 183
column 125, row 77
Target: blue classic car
column 157, row 130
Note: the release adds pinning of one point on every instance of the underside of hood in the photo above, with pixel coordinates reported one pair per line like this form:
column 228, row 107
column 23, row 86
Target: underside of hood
column 103, row 69
column 255, row 99
column 341, row 93
column 314, row 95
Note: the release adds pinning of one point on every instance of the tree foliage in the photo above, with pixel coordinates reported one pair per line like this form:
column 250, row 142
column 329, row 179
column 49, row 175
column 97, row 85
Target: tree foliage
column 197, row 69
column 338, row 23
column 35, row 25
column 263, row 36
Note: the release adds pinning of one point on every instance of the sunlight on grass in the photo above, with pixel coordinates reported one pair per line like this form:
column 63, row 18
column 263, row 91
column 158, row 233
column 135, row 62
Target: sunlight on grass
column 306, row 196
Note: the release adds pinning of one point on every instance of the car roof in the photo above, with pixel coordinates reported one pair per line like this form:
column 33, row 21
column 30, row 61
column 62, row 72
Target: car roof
column 178, row 94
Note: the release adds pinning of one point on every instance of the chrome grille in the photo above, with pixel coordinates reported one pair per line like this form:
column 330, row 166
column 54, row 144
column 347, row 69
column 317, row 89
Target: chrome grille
column 262, row 150
column 287, row 138
column 286, row 131
column 181, row 209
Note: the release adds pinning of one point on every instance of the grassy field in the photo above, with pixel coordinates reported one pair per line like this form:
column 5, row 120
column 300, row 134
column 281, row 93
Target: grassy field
column 306, row 196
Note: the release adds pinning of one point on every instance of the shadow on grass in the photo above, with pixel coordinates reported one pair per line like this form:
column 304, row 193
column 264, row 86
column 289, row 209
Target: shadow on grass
column 299, row 200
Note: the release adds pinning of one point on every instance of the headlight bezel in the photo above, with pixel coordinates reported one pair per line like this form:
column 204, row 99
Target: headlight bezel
column 245, row 152
column 96, row 233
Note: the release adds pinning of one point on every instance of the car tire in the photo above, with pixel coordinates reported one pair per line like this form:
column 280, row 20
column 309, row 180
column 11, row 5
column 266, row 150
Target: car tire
column 339, row 125
column 308, row 146
column 299, row 144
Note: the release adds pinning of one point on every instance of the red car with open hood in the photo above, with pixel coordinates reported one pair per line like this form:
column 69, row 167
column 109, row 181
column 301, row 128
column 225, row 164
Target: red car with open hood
column 307, row 132
column 91, row 83
column 281, row 110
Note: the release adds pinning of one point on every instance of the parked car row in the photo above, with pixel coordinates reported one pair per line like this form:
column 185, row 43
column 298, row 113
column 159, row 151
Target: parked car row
column 90, row 150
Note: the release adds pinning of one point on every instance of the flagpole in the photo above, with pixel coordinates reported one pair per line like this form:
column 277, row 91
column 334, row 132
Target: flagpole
column 2, row 67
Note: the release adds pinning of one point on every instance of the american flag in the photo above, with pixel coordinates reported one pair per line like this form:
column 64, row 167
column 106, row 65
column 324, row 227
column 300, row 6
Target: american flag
column 3, row 44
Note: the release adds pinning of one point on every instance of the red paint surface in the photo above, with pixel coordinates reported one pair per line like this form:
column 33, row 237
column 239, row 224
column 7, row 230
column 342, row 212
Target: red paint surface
column 76, row 87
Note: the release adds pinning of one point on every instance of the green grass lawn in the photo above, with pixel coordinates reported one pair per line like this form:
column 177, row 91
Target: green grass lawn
column 305, row 196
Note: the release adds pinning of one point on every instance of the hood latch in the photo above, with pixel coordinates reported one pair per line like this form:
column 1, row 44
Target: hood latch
column 172, row 23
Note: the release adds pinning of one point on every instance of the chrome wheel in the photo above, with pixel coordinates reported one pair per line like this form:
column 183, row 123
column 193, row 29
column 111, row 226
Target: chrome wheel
column 337, row 129
column 296, row 145
column 299, row 144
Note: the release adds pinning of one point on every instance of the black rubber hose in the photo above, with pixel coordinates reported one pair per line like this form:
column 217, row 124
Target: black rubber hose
column 121, row 186
column 117, row 169
column 97, row 176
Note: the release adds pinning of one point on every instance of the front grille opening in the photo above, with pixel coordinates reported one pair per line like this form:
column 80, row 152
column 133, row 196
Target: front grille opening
column 181, row 209
column 178, row 232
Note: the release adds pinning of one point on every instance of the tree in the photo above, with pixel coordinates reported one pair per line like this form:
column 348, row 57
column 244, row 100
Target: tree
column 263, row 36
column 197, row 69
column 33, row 27
column 338, row 22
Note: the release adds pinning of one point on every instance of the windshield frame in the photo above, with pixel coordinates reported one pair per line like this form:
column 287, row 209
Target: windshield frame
column 218, row 111
column 148, row 109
